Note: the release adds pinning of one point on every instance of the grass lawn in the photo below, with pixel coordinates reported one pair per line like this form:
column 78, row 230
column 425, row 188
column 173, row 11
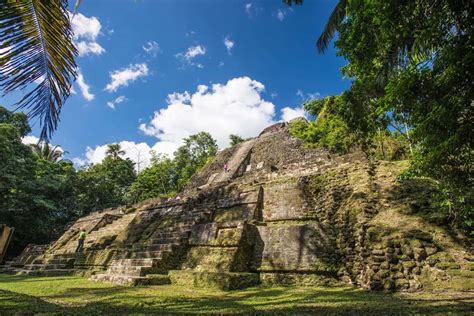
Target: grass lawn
column 76, row 295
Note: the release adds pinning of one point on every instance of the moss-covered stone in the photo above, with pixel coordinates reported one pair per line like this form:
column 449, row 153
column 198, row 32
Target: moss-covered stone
column 222, row 280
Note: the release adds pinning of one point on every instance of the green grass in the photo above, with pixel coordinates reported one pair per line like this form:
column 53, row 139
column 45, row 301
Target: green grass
column 75, row 295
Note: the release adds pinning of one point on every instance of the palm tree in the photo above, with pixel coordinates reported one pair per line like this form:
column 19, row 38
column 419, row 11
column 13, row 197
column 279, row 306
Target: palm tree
column 37, row 52
column 333, row 23
column 115, row 151
column 43, row 150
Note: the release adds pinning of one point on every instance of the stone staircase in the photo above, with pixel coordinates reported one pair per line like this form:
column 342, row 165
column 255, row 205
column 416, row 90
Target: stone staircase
column 235, row 163
column 61, row 261
column 97, row 235
column 46, row 265
column 149, row 262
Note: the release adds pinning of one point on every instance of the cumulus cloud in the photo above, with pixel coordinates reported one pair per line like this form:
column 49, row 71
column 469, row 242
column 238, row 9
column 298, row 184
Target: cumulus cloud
column 152, row 48
column 229, row 44
column 191, row 53
column 30, row 140
column 118, row 100
column 84, row 87
column 287, row 113
column 86, row 48
column 126, row 75
column 139, row 153
column 235, row 107
column 86, row 30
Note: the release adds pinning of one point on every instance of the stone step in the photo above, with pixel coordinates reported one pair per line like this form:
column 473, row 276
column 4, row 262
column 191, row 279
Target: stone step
column 44, row 266
column 135, row 261
column 131, row 280
column 53, row 272
column 155, row 254
column 170, row 235
column 179, row 226
column 162, row 247
column 129, row 270
column 169, row 240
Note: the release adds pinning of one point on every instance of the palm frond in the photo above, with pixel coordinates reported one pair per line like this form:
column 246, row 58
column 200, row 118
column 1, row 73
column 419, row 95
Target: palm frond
column 36, row 48
column 76, row 5
column 334, row 21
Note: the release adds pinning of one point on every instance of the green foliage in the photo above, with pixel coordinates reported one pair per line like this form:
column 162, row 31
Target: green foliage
column 165, row 177
column 194, row 154
column 328, row 131
column 412, row 65
column 388, row 145
column 43, row 150
column 103, row 185
column 35, row 194
column 158, row 180
column 235, row 139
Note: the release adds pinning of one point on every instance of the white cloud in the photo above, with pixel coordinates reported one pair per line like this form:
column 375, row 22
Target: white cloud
column 85, row 48
column 287, row 113
column 236, row 107
column 124, row 76
column 191, row 53
column 33, row 140
column 118, row 100
column 84, row 87
column 280, row 15
column 86, row 30
column 140, row 153
column 222, row 109
column 152, row 48
column 229, row 44
column 307, row 96
column 30, row 140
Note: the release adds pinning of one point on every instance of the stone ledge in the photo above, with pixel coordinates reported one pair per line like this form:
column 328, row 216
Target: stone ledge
column 222, row 280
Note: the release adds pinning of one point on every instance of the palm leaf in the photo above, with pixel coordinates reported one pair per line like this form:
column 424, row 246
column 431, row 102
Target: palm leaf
column 334, row 21
column 36, row 41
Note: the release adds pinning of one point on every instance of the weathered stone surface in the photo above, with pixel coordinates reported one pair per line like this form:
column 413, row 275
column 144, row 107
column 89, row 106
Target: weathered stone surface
column 285, row 201
column 295, row 247
column 202, row 234
column 298, row 215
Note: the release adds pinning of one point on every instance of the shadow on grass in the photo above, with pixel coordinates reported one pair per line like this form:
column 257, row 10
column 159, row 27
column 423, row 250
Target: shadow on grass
column 90, row 300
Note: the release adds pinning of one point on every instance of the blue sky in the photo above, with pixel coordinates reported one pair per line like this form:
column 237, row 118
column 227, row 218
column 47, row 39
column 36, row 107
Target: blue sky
column 220, row 66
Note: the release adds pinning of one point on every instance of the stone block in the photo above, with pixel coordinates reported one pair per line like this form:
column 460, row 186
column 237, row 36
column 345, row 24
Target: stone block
column 214, row 259
column 235, row 213
column 202, row 234
column 295, row 247
column 285, row 201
